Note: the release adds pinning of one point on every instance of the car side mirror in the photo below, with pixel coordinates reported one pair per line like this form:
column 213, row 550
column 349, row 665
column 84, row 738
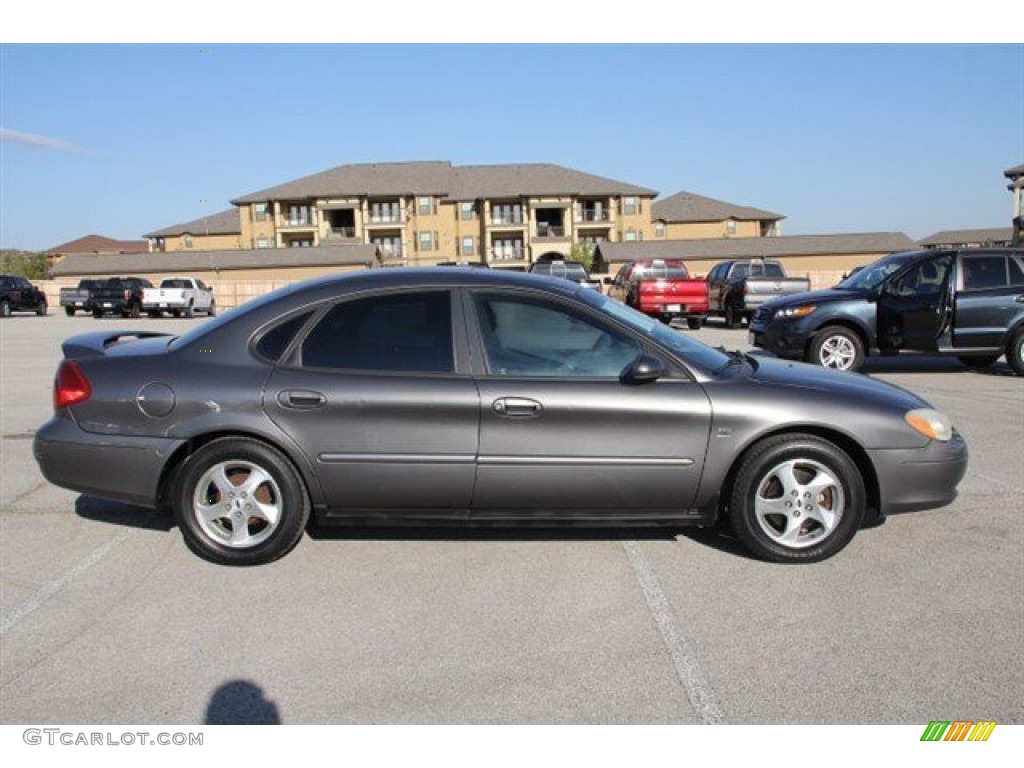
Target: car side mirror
column 643, row 370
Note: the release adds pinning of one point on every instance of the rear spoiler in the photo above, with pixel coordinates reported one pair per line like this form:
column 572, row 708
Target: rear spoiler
column 95, row 344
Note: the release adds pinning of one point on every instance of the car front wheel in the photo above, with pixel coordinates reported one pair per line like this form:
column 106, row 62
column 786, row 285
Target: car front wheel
column 240, row 502
column 796, row 499
column 837, row 347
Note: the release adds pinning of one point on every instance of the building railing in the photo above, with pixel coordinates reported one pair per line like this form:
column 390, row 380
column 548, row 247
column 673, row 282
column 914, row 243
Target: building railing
column 517, row 220
column 345, row 233
column 593, row 216
column 504, row 253
column 385, row 218
column 550, row 230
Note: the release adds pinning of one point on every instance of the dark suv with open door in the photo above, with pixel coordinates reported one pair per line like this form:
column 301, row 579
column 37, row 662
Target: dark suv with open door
column 966, row 303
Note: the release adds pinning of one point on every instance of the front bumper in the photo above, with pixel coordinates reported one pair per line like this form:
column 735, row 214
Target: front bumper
column 919, row 478
column 116, row 467
column 785, row 338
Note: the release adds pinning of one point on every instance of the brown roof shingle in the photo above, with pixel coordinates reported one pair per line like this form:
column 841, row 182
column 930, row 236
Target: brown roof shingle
column 99, row 244
column 688, row 207
column 222, row 223
column 962, row 236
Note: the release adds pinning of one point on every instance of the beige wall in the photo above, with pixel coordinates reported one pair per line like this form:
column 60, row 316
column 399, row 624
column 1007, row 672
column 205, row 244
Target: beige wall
column 708, row 230
column 203, row 243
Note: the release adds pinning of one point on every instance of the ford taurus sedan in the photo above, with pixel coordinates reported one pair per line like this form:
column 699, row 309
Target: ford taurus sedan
column 479, row 396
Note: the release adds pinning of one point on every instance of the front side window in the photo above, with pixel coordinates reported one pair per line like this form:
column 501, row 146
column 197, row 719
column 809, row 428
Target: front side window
column 924, row 279
column 399, row 332
column 532, row 337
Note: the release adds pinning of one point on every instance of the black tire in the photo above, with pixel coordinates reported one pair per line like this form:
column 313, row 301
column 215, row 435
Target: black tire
column 837, row 347
column 5, row 308
column 97, row 313
column 732, row 319
column 189, row 311
column 154, row 313
column 42, row 308
column 1015, row 352
column 278, row 489
column 694, row 323
column 823, row 519
column 175, row 313
column 69, row 311
column 212, row 311
column 978, row 362
column 133, row 310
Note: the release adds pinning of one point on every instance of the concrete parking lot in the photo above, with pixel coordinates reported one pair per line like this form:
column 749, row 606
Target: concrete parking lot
column 108, row 618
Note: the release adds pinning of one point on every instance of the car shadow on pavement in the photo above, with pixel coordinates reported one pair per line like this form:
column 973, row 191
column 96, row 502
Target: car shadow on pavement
column 464, row 531
column 931, row 364
column 115, row 513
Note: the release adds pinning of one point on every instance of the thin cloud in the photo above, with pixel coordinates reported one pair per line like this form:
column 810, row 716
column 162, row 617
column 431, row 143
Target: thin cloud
column 7, row 136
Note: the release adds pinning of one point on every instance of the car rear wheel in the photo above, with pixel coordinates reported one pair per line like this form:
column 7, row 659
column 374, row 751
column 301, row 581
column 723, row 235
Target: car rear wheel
column 1015, row 352
column 212, row 311
column 240, row 502
column 69, row 311
column 189, row 311
column 5, row 308
column 837, row 347
column 796, row 499
column 41, row 309
column 97, row 313
column 732, row 319
column 694, row 323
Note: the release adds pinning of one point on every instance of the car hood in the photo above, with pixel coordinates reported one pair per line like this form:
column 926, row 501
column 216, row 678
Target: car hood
column 837, row 384
column 813, row 297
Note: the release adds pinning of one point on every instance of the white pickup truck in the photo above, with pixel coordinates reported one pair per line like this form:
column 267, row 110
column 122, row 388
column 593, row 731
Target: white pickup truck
column 179, row 296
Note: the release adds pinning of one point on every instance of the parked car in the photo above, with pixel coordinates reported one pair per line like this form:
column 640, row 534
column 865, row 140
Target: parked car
column 572, row 271
column 181, row 296
column 74, row 299
column 119, row 296
column 965, row 303
column 17, row 294
column 662, row 289
column 480, row 396
column 737, row 288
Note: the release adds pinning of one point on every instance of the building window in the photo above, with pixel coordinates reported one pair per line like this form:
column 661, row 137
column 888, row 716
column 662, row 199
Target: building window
column 426, row 241
column 629, row 206
column 466, row 211
column 467, row 246
column 262, row 242
column 259, row 211
column 425, row 206
column 730, row 227
column 298, row 215
column 659, row 229
column 187, row 241
column 630, row 236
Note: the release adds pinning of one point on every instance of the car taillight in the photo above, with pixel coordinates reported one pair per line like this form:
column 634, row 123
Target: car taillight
column 70, row 387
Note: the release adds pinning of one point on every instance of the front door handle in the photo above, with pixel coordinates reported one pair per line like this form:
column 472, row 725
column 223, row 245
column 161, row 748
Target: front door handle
column 301, row 399
column 517, row 407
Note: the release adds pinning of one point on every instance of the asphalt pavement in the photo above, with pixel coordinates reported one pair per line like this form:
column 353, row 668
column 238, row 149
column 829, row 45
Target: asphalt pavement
column 106, row 617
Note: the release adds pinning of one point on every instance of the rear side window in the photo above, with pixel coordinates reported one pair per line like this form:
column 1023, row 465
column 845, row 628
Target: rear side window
column 984, row 272
column 1016, row 272
column 399, row 332
column 273, row 343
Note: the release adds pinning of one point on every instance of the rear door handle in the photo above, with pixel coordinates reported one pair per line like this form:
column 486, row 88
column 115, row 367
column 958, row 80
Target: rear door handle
column 517, row 407
column 301, row 399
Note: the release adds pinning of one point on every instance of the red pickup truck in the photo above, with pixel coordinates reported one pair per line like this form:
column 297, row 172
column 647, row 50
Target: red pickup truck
column 662, row 289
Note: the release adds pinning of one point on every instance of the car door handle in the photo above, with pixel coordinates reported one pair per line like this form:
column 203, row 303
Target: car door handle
column 301, row 399
column 517, row 407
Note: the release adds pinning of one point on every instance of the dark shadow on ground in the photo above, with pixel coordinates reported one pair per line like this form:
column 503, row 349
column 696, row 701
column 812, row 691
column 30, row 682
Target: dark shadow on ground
column 914, row 363
column 241, row 702
column 115, row 513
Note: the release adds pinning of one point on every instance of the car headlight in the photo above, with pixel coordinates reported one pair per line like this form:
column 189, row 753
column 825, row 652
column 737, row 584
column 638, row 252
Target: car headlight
column 789, row 312
column 930, row 423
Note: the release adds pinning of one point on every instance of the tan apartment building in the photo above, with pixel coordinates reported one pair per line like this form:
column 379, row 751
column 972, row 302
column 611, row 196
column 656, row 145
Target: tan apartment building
column 686, row 216
column 1016, row 186
column 216, row 232
column 422, row 213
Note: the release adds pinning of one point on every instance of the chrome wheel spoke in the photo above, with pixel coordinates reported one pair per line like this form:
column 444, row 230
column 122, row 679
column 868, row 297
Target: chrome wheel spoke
column 237, row 504
column 799, row 503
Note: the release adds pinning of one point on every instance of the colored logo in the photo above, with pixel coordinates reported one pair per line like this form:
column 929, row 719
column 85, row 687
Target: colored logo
column 958, row 730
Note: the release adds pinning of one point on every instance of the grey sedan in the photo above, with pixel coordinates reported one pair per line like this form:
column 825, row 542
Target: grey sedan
column 480, row 397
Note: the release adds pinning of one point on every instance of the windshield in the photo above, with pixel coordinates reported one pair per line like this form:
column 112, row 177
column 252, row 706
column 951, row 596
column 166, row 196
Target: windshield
column 687, row 348
column 874, row 274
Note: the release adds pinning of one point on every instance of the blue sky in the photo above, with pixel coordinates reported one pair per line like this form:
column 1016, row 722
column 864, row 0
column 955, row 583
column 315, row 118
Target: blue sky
column 120, row 140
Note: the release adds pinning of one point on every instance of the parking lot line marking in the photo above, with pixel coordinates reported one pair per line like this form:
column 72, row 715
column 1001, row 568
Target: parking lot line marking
column 690, row 675
column 54, row 587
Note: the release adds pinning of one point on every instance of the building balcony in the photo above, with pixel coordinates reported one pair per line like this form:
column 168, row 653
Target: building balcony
column 297, row 224
column 505, row 253
column 602, row 216
column 384, row 219
column 550, row 232
column 506, row 221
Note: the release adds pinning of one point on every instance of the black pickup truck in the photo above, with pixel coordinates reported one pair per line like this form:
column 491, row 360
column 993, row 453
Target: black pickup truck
column 965, row 303
column 17, row 294
column 119, row 296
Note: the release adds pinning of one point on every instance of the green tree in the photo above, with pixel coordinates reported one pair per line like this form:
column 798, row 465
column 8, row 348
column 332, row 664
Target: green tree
column 34, row 266
column 583, row 253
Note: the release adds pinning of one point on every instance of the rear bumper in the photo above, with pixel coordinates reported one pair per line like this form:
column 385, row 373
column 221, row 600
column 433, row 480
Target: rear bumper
column 116, row 467
column 675, row 308
column 920, row 478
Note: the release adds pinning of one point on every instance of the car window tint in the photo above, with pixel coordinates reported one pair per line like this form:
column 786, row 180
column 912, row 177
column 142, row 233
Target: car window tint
column 273, row 343
column 773, row 270
column 984, row 272
column 925, row 279
column 532, row 337
column 401, row 332
column 1016, row 271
